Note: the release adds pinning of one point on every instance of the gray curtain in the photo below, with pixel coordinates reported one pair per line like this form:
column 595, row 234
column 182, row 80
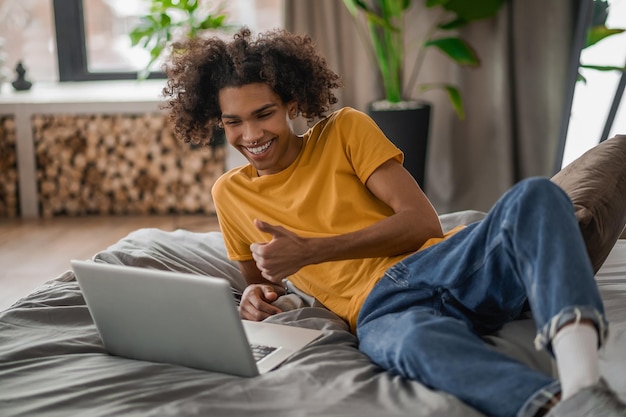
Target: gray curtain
column 513, row 102
column 331, row 27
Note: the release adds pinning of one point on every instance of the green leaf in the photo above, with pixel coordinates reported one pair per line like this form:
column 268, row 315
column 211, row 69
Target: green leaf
column 395, row 7
column 138, row 34
column 457, row 49
column 156, row 51
column 165, row 20
column 454, row 95
column 457, row 101
column 212, row 22
column 155, row 30
column 435, row 3
column 453, row 24
column 377, row 20
column 353, row 5
column 596, row 33
column 603, row 67
column 473, row 10
column 192, row 5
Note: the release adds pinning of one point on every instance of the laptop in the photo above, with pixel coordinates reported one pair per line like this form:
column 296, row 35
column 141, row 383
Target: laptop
column 183, row 319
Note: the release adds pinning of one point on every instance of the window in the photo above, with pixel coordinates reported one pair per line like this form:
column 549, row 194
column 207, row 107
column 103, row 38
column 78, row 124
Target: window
column 593, row 99
column 27, row 36
column 93, row 42
column 89, row 38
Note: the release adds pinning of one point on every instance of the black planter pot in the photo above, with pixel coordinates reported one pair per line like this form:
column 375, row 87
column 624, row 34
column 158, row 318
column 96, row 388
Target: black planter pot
column 407, row 126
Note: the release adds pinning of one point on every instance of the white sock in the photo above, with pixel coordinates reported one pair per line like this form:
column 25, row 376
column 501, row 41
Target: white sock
column 576, row 351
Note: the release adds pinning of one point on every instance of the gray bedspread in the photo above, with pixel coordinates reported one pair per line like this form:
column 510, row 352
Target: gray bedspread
column 52, row 361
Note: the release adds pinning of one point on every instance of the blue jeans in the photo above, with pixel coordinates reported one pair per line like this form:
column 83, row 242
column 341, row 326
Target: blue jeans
column 423, row 320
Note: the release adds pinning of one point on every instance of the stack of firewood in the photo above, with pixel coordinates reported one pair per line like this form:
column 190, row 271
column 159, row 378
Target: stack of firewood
column 8, row 168
column 121, row 164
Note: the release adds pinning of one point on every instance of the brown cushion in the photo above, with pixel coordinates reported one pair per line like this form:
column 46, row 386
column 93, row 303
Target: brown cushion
column 596, row 183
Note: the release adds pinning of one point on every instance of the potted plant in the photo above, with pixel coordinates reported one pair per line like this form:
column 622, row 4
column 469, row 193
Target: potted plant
column 405, row 120
column 168, row 20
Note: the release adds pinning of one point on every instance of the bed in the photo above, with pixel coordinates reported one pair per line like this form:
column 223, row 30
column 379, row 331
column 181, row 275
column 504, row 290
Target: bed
column 52, row 361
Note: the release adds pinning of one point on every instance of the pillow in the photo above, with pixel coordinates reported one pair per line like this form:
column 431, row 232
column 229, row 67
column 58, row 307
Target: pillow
column 450, row 220
column 180, row 250
column 596, row 183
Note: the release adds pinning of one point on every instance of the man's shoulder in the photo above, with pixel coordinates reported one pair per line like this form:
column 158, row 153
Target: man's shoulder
column 347, row 113
column 341, row 123
column 227, row 178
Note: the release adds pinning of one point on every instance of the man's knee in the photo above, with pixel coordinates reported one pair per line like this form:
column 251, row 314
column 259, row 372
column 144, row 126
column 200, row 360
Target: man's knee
column 409, row 338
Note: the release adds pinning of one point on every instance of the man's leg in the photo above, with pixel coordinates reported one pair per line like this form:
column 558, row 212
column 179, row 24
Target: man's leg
column 540, row 232
column 443, row 353
column 527, row 248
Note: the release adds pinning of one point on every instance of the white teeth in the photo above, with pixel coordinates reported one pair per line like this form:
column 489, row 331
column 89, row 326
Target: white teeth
column 259, row 149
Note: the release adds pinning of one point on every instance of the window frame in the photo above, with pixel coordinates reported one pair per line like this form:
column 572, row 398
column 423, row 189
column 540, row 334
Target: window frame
column 71, row 43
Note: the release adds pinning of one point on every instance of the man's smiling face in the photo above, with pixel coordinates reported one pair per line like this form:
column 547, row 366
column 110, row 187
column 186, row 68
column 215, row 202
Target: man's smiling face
column 257, row 123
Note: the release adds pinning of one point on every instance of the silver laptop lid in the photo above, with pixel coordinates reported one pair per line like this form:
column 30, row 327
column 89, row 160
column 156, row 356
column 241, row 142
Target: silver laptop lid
column 165, row 316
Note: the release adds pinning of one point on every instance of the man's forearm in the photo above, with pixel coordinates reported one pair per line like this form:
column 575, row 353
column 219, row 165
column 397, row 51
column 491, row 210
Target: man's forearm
column 401, row 233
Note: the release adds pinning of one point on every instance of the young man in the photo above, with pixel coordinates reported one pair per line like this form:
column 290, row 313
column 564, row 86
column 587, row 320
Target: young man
column 336, row 213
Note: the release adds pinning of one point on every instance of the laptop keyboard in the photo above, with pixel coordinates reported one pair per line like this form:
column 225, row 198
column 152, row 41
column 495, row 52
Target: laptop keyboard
column 261, row 351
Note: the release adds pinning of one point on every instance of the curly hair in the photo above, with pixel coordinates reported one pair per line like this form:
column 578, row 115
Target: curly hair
column 288, row 63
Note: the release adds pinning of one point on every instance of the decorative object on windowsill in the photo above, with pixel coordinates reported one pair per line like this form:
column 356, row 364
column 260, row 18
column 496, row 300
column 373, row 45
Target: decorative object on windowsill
column 21, row 83
column 168, row 20
column 405, row 120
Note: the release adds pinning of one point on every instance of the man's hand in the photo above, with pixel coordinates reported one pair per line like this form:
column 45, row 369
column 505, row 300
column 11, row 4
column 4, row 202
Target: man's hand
column 282, row 256
column 256, row 302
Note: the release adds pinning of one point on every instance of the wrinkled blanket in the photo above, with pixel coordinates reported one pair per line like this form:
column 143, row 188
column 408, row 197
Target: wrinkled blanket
column 52, row 361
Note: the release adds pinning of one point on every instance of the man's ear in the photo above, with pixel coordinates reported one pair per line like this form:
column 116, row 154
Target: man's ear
column 292, row 108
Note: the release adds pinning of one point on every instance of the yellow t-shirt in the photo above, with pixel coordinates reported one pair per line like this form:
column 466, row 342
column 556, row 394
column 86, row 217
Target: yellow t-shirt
column 320, row 194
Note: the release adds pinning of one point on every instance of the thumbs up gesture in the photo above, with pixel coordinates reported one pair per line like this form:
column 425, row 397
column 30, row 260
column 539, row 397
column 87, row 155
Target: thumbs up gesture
column 282, row 256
